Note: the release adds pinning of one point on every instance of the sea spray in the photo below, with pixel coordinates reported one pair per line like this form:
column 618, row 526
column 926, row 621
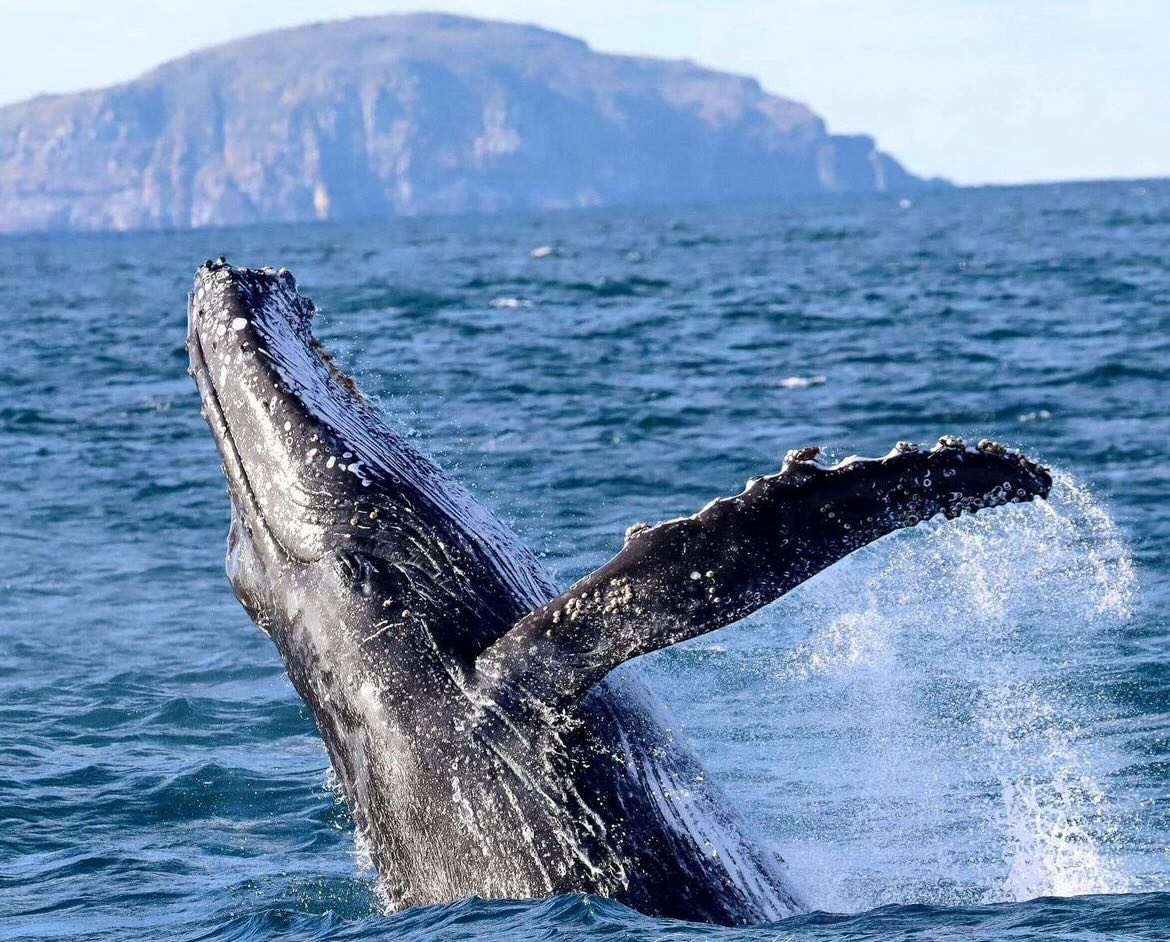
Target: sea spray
column 928, row 695
column 1054, row 819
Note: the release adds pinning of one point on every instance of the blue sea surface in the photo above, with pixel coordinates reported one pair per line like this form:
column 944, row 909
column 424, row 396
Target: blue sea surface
column 961, row 732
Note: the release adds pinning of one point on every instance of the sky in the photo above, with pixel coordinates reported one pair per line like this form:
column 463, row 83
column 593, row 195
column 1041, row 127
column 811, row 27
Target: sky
column 979, row 91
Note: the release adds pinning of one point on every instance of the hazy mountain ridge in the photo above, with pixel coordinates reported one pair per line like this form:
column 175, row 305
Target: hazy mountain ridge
column 410, row 114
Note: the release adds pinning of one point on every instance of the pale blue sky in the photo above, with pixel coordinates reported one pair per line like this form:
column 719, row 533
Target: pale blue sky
column 976, row 90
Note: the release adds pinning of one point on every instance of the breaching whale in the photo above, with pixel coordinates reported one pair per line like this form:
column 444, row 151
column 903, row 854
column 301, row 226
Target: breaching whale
column 465, row 701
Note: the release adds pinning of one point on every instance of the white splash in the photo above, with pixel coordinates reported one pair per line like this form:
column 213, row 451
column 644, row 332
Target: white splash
column 945, row 700
column 801, row 382
column 1054, row 812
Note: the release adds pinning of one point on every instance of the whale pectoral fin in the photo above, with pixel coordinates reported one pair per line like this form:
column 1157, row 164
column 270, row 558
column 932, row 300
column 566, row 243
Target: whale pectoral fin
column 688, row 576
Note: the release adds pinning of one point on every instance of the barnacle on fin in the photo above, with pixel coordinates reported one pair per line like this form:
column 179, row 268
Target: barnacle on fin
column 808, row 453
column 634, row 529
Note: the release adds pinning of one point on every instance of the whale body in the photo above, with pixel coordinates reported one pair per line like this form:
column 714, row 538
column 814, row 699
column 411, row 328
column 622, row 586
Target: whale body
column 465, row 700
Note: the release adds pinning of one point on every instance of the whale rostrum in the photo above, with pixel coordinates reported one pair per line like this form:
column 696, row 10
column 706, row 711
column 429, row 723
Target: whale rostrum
column 467, row 704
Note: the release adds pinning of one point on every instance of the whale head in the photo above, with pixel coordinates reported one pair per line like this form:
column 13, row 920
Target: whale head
column 339, row 527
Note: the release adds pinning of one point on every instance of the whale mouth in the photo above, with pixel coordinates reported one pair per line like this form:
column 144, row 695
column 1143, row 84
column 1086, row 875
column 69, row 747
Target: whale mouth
column 246, row 508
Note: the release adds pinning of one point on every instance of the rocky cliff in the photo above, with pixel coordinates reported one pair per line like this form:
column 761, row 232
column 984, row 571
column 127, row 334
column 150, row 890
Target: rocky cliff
column 410, row 114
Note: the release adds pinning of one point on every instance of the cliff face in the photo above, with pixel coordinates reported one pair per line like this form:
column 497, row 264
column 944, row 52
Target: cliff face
column 410, row 114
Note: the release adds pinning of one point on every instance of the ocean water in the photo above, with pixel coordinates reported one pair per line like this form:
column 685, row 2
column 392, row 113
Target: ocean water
column 961, row 732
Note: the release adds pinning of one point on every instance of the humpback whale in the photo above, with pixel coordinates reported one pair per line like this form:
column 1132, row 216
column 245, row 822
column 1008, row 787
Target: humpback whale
column 467, row 703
